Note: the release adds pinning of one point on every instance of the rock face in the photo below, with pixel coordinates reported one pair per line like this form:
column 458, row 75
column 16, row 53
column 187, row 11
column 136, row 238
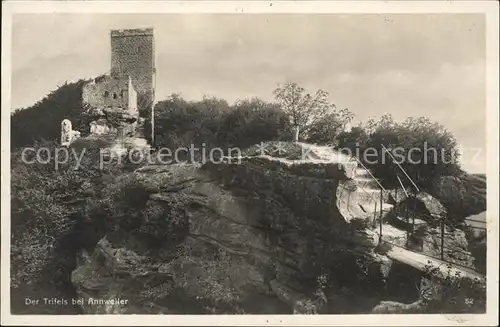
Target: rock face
column 398, row 195
column 253, row 237
column 422, row 206
column 256, row 235
column 425, row 216
column 456, row 248
column 110, row 270
column 306, row 154
column 309, row 189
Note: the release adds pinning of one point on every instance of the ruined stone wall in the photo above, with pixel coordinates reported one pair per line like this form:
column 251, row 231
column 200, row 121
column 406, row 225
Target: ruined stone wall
column 132, row 54
column 110, row 92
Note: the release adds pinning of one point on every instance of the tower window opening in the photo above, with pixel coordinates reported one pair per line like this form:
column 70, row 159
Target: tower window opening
column 115, row 96
column 121, row 93
column 106, row 94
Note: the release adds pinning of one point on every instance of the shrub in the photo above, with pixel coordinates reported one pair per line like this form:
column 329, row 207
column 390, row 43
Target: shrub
column 179, row 123
column 383, row 248
column 353, row 142
column 424, row 149
column 455, row 293
column 251, row 122
column 55, row 211
column 211, row 123
column 46, row 203
column 126, row 208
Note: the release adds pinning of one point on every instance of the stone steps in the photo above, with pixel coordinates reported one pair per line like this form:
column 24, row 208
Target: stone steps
column 368, row 182
column 370, row 195
column 361, row 172
column 365, row 201
column 362, row 204
column 371, row 208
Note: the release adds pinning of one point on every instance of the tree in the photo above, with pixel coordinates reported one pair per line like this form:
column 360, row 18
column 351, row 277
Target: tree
column 215, row 123
column 303, row 108
column 179, row 123
column 252, row 121
column 328, row 129
column 43, row 119
column 425, row 149
column 353, row 141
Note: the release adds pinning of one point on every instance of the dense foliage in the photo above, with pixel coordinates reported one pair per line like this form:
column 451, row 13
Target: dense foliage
column 43, row 119
column 46, row 204
column 328, row 128
column 212, row 122
column 452, row 293
column 423, row 148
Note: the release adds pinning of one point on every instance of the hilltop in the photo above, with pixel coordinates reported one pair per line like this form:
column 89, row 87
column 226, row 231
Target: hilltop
column 292, row 227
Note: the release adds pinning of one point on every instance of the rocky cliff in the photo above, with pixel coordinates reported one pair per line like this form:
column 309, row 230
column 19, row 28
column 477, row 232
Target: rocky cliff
column 259, row 236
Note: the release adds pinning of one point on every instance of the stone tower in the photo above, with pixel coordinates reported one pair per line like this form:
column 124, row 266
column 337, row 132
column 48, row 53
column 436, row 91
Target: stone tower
column 133, row 55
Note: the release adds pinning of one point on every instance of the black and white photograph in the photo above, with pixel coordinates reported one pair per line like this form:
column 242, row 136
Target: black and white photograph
column 284, row 161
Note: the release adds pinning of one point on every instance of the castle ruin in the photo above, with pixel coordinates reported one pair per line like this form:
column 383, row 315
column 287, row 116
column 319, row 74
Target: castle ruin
column 118, row 102
column 132, row 55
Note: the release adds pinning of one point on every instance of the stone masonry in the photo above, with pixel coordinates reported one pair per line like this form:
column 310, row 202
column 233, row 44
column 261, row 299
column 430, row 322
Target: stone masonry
column 132, row 54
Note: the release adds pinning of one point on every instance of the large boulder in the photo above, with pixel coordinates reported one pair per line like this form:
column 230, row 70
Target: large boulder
column 106, row 281
column 421, row 207
column 398, row 195
column 308, row 189
column 428, row 221
column 454, row 248
column 392, row 307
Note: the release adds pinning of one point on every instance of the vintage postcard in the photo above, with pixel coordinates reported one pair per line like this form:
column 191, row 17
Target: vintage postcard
column 250, row 163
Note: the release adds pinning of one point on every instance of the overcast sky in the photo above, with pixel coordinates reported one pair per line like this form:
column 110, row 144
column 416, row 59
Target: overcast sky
column 406, row 65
